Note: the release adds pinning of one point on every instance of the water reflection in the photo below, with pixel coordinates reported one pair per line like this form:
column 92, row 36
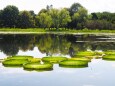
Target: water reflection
column 52, row 44
column 98, row 73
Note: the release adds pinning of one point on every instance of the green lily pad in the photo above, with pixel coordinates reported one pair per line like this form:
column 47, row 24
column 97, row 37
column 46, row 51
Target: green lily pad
column 20, row 57
column 81, row 59
column 14, row 62
column 85, row 53
column 33, row 60
column 109, row 52
column 109, row 57
column 38, row 66
column 73, row 64
column 53, row 59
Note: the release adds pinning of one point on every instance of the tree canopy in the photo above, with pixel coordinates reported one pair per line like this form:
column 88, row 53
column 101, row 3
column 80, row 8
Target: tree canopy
column 74, row 17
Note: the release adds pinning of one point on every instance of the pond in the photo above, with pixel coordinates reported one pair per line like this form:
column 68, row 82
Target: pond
column 99, row 72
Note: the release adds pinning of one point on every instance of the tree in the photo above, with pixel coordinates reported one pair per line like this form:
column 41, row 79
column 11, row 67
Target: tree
column 80, row 17
column 45, row 20
column 94, row 16
column 25, row 20
column 10, row 16
column 98, row 24
column 55, row 17
column 74, row 8
column 59, row 17
column 64, row 17
column 42, row 11
column 1, row 20
column 48, row 7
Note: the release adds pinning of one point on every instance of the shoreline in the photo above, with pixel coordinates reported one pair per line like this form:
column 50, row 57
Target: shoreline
column 71, row 33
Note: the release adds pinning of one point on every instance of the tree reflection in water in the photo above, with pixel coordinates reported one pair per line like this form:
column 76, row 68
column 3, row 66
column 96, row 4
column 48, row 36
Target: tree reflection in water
column 52, row 44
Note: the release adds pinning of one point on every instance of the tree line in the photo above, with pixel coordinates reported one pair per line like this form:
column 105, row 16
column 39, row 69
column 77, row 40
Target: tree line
column 76, row 17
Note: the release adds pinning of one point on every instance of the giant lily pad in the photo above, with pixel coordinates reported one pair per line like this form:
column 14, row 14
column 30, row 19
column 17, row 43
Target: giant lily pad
column 80, row 59
column 38, row 66
column 73, row 64
column 53, row 59
column 20, row 57
column 85, row 53
column 14, row 62
column 33, row 60
column 110, row 52
column 109, row 57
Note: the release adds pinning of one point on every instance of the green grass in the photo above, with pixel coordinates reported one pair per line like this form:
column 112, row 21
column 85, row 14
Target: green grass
column 73, row 64
column 38, row 66
column 53, row 59
column 60, row 30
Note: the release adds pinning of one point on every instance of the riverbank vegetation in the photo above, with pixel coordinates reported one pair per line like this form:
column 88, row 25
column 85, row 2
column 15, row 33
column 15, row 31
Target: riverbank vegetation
column 75, row 17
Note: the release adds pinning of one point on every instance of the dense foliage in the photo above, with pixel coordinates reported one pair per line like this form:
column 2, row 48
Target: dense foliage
column 76, row 17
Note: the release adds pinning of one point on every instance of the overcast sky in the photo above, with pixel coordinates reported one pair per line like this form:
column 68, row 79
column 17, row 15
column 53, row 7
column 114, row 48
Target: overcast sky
column 37, row 5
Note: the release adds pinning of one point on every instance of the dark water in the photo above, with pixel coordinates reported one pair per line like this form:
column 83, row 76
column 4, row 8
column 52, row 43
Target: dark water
column 98, row 73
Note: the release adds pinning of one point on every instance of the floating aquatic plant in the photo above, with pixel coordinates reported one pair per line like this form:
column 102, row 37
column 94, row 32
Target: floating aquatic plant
column 80, row 59
column 20, row 57
column 73, row 64
column 109, row 57
column 33, row 60
column 14, row 62
column 53, row 59
column 110, row 52
column 38, row 66
column 85, row 53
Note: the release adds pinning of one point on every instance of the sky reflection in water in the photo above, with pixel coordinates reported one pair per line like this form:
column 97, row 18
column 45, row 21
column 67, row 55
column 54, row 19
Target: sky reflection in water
column 98, row 73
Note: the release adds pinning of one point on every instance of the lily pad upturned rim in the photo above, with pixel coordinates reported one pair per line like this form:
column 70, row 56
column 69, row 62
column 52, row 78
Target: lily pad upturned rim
column 20, row 57
column 74, row 64
column 85, row 53
column 38, row 66
column 109, row 52
column 109, row 57
column 81, row 59
column 14, row 62
column 33, row 60
column 53, row 59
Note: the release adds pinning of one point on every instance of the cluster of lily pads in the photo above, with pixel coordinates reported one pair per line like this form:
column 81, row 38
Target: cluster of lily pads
column 80, row 60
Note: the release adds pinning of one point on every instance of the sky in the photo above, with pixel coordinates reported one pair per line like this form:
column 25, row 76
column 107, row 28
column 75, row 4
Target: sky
column 37, row 5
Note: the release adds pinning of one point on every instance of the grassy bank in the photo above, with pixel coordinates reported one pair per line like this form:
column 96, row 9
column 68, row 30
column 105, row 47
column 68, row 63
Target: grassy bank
column 41, row 30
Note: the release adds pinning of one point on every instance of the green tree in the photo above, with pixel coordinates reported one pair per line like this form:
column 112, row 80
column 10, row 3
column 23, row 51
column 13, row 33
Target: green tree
column 64, row 17
column 60, row 18
column 10, row 16
column 45, row 20
column 25, row 20
column 42, row 11
column 1, row 20
column 80, row 17
column 94, row 16
column 74, row 8
column 55, row 17
column 98, row 24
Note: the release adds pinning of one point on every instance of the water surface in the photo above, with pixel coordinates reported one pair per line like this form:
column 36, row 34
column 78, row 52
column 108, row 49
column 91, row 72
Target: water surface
column 98, row 73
